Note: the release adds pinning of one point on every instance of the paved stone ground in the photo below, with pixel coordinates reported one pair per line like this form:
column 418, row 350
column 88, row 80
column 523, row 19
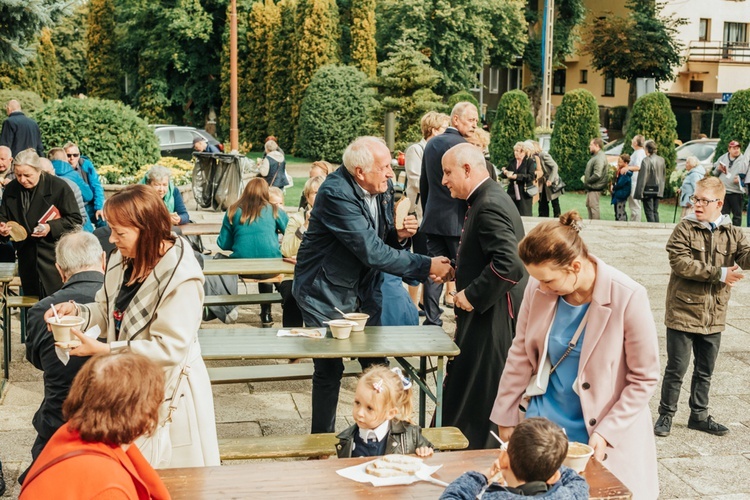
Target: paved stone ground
column 691, row 464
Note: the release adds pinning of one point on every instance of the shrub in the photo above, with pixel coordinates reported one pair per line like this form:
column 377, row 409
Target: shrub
column 335, row 110
column 30, row 101
column 108, row 132
column 736, row 123
column 652, row 117
column 513, row 122
column 182, row 172
column 576, row 123
column 463, row 95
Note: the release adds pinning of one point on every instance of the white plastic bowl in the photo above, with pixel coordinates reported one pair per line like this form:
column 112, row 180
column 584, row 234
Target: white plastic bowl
column 61, row 329
column 341, row 328
column 578, row 456
column 360, row 319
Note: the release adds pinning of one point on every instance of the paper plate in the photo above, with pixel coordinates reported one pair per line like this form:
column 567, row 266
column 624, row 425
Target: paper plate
column 17, row 231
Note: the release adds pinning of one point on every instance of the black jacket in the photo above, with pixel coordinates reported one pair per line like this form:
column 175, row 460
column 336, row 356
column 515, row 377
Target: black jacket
column 403, row 439
column 40, row 351
column 36, row 256
column 442, row 214
column 21, row 132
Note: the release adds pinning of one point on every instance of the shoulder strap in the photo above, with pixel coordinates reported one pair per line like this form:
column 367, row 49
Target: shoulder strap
column 61, row 458
column 573, row 341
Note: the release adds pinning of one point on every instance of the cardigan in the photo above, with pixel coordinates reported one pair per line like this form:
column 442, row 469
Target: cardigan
column 255, row 240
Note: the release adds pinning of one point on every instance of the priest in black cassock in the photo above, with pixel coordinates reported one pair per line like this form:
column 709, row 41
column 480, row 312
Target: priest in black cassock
column 490, row 280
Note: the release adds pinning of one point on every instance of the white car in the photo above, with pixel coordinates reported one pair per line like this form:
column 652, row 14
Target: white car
column 703, row 149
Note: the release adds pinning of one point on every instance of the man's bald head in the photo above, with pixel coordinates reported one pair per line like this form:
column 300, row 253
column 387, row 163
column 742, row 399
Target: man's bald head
column 464, row 168
column 12, row 106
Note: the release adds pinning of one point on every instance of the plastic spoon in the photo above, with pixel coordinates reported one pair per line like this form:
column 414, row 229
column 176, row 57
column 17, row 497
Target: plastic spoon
column 340, row 311
column 54, row 311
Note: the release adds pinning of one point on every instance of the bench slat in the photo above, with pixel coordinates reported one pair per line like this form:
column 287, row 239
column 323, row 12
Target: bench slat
column 242, row 299
column 21, row 300
column 316, row 445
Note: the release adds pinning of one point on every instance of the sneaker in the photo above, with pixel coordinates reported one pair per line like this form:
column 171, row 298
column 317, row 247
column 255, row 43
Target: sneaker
column 663, row 425
column 709, row 425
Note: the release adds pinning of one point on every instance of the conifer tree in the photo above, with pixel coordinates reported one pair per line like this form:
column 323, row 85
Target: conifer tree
column 736, row 123
column 514, row 122
column 103, row 72
column 362, row 31
column 39, row 75
column 576, row 123
column 255, row 67
column 279, row 72
column 22, row 22
column 69, row 39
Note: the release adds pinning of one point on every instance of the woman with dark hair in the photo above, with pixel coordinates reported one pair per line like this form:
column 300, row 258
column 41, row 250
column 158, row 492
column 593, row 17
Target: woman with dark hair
column 585, row 354
column 92, row 455
column 151, row 304
column 26, row 200
column 521, row 174
column 251, row 229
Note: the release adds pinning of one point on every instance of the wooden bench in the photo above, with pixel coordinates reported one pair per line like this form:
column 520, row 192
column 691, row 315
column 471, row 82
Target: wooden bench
column 241, row 299
column 317, row 445
column 274, row 373
column 22, row 302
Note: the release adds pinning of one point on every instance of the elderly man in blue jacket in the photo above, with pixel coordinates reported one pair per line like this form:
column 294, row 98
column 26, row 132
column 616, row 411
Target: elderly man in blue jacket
column 350, row 241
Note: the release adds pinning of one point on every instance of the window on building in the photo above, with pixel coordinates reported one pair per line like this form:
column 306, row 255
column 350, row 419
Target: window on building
column 735, row 33
column 515, row 77
column 609, row 86
column 584, row 76
column 696, row 85
column 558, row 82
column 494, row 80
column 704, row 30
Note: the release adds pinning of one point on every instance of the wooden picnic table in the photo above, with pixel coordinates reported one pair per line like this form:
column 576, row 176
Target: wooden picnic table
column 200, row 228
column 8, row 271
column 376, row 341
column 247, row 267
column 318, row 479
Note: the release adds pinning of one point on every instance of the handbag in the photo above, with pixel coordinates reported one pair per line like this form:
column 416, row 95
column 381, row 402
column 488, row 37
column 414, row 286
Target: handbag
column 157, row 446
column 532, row 190
column 651, row 191
column 558, row 187
column 540, row 380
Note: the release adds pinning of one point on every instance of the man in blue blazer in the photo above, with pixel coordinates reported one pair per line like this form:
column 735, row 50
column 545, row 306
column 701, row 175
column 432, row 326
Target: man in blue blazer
column 350, row 241
column 443, row 216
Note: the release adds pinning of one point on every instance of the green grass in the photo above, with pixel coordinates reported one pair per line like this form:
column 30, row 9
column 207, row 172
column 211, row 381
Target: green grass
column 577, row 201
column 290, row 160
column 292, row 194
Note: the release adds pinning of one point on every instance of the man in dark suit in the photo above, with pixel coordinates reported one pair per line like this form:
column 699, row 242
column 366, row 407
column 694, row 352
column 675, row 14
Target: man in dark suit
column 80, row 262
column 490, row 279
column 443, row 216
column 350, row 241
column 19, row 131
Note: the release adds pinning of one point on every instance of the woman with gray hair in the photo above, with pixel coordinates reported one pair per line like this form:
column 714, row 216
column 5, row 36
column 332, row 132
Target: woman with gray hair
column 273, row 166
column 695, row 172
column 521, row 174
column 160, row 178
column 37, row 210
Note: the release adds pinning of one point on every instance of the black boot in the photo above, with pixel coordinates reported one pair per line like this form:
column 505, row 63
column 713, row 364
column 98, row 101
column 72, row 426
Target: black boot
column 265, row 316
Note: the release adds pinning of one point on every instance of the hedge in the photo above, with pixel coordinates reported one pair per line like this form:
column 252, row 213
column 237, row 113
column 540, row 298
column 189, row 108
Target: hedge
column 108, row 132
column 576, row 123
column 30, row 101
column 460, row 96
column 736, row 123
column 335, row 110
column 513, row 122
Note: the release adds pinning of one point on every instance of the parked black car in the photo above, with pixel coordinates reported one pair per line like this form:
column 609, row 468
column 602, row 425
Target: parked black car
column 177, row 141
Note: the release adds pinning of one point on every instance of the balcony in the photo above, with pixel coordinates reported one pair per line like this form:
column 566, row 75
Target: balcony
column 738, row 52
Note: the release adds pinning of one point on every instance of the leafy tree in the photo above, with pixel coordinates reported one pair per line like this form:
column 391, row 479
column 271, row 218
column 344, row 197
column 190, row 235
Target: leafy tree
column 736, row 123
column 279, row 78
column 461, row 96
column 642, row 45
column 363, row 36
column 39, row 75
column 317, row 44
column 103, row 72
column 69, row 39
column 652, row 117
column 514, row 122
column 405, row 87
column 576, row 123
column 335, row 111
column 458, row 36
column 22, row 21
column 109, row 132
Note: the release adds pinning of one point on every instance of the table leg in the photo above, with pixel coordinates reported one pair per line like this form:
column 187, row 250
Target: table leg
column 422, row 394
column 439, row 392
column 6, row 336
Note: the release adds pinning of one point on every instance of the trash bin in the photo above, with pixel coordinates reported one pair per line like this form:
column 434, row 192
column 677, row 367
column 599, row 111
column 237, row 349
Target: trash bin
column 217, row 180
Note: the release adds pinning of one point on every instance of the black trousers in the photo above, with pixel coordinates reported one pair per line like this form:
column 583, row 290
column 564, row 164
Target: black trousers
column 544, row 205
column 437, row 246
column 705, row 349
column 291, row 315
column 651, row 207
column 733, row 204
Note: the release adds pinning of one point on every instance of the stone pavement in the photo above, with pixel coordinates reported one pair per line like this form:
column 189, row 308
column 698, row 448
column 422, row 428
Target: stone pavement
column 691, row 464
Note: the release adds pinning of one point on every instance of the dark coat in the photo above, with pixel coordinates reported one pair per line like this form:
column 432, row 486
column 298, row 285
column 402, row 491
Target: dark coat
column 40, row 351
column 403, row 439
column 653, row 173
column 622, row 187
column 343, row 253
column 526, row 173
column 442, row 214
column 21, row 132
column 36, row 256
column 493, row 278
column 551, row 174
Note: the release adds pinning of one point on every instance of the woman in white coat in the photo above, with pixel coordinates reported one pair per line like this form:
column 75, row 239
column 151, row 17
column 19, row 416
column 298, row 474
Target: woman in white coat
column 151, row 304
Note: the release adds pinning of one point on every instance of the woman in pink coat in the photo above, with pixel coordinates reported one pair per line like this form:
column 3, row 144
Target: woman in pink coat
column 600, row 391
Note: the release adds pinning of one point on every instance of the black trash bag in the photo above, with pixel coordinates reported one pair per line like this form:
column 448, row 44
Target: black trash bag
column 217, row 180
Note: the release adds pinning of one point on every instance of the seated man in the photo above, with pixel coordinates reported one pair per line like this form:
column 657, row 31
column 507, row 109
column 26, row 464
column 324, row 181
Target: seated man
column 80, row 262
column 531, row 466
